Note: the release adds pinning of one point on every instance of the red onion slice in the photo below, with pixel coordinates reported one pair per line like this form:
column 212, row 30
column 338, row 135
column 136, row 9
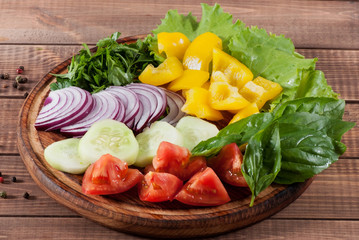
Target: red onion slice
column 106, row 106
column 158, row 104
column 174, row 103
column 130, row 101
column 73, row 104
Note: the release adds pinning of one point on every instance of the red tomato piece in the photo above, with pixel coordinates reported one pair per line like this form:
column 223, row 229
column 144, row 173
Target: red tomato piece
column 227, row 164
column 159, row 187
column 109, row 175
column 177, row 160
column 203, row 189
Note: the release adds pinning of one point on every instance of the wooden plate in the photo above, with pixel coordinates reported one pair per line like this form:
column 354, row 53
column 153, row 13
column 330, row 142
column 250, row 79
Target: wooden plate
column 125, row 212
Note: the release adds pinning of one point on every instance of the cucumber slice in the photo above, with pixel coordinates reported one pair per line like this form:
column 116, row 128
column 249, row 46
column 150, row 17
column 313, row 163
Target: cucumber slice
column 195, row 130
column 109, row 136
column 150, row 139
column 64, row 156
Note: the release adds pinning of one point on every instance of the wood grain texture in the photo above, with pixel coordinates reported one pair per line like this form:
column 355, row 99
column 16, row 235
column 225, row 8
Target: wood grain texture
column 83, row 229
column 41, row 34
column 315, row 24
column 126, row 212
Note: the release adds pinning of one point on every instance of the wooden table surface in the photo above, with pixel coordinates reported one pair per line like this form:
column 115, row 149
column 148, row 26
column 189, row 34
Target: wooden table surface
column 40, row 34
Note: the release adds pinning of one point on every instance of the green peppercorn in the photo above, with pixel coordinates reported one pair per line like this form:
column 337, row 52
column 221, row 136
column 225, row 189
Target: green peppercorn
column 3, row 194
column 6, row 76
column 18, row 79
column 15, row 84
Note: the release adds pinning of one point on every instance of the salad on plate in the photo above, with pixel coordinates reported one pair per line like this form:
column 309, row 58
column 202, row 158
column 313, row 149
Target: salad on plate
column 190, row 109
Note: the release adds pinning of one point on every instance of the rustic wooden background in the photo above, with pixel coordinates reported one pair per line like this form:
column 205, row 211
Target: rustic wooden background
column 40, row 34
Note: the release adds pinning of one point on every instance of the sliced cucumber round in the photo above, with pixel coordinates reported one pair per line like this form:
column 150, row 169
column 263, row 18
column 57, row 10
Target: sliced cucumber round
column 64, row 156
column 195, row 130
column 150, row 139
column 109, row 136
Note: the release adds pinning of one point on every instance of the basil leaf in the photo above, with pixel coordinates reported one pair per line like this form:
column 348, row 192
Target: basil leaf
column 334, row 128
column 305, row 152
column 262, row 159
column 239, row 132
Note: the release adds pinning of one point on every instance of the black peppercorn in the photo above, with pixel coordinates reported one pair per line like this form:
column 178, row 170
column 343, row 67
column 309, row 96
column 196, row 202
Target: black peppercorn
column 3, row 194
column 0, row 174
column 20, row 88
column 26, row 94
column 2, row 76
column 15, row 84
column 22, row 80
column 22, row 68
column 6, row 76
column 26, row 195
column 13, row 179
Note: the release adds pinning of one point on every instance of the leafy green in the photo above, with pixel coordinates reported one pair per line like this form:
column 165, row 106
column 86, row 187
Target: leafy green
column 309, row 131
column 239, row 132
column 111, row 64
column 262, row 159
column 305, row 152
column 267, row 55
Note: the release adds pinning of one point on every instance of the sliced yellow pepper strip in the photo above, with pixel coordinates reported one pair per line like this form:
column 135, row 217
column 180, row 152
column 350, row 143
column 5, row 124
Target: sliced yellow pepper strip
column 197, row 104
column 199, row 53
column 254, row 93
column 245, row 112
column 189, row 79
column 223, row 96
column 173, row 44
column 237, row 73
column 273, row 89
column 166, row 72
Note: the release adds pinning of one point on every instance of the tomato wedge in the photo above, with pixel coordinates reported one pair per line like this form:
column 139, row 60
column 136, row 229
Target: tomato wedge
column 227, row 164
column 109, row 175
column 159, row 187
column 203, row 189
column 177, row 160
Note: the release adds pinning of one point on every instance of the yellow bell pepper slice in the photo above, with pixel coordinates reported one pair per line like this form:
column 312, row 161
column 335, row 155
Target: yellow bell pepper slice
column 237, row 73
column 189, row 79
column 218, row 76
column 223, row 96
column 199, row 53
column 166, row 72
column 197, row 104
column 273, row 89
column 174, row 44
column 254, row 93
column 245, row 112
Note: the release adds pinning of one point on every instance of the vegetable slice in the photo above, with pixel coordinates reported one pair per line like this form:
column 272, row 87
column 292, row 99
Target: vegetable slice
column 109, row 136
column 150, row 139
column 203, row 189
column 159, row 187
column 195, row 130
column 105, row 106
column 109, row 175
column 63, row 107
column 63, row 155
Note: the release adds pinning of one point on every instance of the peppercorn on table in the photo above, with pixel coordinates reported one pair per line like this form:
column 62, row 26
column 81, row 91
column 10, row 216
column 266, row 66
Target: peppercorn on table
column 36, row 36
